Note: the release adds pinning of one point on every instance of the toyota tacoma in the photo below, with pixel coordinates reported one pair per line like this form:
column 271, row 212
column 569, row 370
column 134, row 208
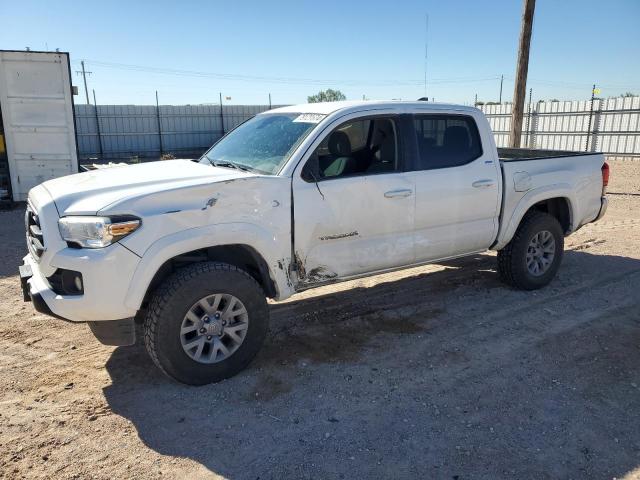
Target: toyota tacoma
column 294, row 198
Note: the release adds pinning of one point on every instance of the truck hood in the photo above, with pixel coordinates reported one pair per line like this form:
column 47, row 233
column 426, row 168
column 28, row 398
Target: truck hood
column 89, row 192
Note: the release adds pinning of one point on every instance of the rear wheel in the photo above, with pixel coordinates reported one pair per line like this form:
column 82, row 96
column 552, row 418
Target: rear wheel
column 206, row 323
column 533, row 256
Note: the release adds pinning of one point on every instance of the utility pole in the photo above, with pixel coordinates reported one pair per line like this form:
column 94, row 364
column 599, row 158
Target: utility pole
column 269, row 101
column 522, row 69
column 84, row 76
column 501, row 80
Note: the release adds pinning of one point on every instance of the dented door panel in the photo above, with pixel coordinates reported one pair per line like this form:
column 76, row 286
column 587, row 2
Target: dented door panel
column 354, row 229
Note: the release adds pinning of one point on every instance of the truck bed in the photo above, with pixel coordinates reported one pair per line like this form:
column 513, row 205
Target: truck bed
column 574, row 176
column 522, row 154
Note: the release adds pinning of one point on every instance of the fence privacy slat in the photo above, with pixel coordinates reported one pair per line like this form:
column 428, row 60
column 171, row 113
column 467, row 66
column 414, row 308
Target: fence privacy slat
column 132, row 130
column 615, row 126
column 188, row 130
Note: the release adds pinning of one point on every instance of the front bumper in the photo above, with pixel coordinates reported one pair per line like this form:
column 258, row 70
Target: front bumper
column 106, row 273
column 38, row 302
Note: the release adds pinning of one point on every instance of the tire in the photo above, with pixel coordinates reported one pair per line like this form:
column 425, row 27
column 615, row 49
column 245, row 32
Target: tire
column 172, row 307
column 513, row 258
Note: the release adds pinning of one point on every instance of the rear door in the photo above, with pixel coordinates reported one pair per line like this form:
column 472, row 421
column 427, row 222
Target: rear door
column 457, row 186
column 37, row 113
column 353, row 204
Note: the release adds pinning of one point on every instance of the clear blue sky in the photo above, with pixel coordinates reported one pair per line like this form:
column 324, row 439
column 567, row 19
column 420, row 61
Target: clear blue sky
column 295, row 48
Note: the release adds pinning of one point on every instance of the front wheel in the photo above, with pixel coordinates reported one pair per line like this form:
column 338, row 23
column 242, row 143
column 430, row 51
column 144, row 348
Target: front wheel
column 532, row 257
column 206, row 323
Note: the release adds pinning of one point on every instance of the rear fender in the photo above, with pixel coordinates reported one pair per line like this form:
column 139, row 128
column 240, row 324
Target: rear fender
column 511, row 221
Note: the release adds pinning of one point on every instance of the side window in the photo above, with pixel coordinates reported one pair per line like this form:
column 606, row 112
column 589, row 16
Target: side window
column 446, row 140
column 362, row 147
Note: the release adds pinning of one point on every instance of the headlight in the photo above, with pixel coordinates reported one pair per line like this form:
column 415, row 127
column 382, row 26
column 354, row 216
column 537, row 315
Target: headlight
column 96, row 232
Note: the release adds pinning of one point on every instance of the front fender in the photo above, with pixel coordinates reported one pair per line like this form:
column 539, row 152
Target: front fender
column 511, row 218
column 264, row 242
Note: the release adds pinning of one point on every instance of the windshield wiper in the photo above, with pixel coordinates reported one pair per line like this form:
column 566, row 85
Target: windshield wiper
column 222, row 164
column 228, row 164
column 244, row 168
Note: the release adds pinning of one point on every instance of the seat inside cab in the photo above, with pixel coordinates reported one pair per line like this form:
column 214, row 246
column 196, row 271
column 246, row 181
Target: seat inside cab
column 362, row 147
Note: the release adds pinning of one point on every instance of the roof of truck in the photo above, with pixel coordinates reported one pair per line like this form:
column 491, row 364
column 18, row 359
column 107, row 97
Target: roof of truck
column 326, row 108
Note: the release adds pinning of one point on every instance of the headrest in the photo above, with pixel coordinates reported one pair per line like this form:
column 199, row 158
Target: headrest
column 387, row 152
column 339, row 144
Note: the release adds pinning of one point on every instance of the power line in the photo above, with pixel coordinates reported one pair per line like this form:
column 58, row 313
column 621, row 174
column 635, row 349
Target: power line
column 283, row 80
column 346, row 82
column 574, row 85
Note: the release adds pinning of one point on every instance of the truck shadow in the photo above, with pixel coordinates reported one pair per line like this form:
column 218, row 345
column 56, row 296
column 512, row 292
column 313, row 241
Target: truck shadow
column 397, row 378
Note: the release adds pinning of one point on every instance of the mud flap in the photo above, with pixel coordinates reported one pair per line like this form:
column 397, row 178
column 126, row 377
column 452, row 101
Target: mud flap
column 25, row 275
column 118, row 333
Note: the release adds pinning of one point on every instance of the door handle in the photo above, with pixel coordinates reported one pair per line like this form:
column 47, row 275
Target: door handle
column 398, row 193
column 482, row 183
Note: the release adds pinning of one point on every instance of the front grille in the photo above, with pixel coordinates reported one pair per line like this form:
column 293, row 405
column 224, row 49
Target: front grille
column 35, row 240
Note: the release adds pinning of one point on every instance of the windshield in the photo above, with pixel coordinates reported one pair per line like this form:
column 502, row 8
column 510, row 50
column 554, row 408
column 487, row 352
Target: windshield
column 262, row 144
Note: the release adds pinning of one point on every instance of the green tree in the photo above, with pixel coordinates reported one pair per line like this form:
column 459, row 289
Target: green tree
column 628, row 94
column 327, row 95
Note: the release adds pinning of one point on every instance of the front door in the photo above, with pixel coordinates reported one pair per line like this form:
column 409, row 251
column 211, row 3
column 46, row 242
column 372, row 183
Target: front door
column 353, row 206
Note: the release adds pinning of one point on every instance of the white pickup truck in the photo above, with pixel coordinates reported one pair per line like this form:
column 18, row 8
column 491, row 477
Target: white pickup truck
column 293, row 198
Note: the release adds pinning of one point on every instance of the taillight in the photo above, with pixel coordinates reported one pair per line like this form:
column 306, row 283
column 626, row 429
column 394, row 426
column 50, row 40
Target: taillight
column 605, row 177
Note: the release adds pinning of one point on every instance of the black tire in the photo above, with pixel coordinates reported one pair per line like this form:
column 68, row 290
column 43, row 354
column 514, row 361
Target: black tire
column 175, row 297
column 512, row 263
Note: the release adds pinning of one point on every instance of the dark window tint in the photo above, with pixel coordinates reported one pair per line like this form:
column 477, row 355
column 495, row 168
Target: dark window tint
column 446, row 140
column 362, row 147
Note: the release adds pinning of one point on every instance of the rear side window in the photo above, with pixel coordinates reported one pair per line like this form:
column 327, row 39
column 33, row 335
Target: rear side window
column 446, row 140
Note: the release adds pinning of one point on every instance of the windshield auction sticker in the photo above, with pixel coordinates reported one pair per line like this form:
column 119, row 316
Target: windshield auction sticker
column 309, row 118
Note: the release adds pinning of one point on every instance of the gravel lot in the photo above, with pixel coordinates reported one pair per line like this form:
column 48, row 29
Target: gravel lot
column 434, row 372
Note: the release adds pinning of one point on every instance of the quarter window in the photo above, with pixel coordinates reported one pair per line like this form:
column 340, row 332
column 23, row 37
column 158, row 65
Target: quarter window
column 446, row 140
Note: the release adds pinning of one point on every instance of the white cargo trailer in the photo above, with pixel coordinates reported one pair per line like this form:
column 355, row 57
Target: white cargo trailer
column 37, row 129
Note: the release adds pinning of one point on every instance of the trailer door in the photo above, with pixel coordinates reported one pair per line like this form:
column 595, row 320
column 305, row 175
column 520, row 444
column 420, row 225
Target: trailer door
column 37, row 112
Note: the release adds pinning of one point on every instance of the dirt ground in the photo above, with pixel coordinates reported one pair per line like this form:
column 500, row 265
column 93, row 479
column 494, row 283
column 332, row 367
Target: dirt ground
column 434, row 372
